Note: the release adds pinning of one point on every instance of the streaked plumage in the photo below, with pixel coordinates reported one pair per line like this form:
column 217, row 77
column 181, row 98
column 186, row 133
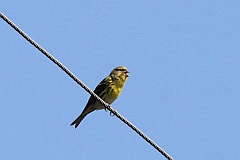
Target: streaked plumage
column 108, row 90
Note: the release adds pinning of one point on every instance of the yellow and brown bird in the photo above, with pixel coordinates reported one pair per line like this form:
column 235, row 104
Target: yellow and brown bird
column 108, row 90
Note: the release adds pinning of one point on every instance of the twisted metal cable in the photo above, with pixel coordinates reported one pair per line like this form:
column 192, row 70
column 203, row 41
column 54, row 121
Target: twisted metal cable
column 69, row 73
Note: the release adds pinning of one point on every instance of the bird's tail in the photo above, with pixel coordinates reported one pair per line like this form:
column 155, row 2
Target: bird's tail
column 78, row 120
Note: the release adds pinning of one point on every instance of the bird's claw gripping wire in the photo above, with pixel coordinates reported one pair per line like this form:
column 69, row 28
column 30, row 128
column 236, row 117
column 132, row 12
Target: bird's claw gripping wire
column 111, row 113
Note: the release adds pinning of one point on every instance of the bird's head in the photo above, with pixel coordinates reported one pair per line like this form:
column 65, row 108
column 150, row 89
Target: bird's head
column 120, row 72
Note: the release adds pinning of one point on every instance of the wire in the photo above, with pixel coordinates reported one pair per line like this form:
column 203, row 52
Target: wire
column 54, row 60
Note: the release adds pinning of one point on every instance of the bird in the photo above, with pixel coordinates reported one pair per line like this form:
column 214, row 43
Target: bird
column 108, row 90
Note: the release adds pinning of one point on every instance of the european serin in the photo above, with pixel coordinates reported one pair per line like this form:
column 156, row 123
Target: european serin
column 108, row 90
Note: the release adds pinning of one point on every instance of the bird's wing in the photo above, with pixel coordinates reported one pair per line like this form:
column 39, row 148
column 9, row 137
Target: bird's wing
column 100, row 90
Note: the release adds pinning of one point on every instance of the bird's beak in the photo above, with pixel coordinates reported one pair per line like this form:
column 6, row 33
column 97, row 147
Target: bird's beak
column 127, row 73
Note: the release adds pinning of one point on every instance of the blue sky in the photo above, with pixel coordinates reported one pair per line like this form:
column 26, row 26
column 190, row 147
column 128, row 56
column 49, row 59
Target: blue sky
column 183, row 90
